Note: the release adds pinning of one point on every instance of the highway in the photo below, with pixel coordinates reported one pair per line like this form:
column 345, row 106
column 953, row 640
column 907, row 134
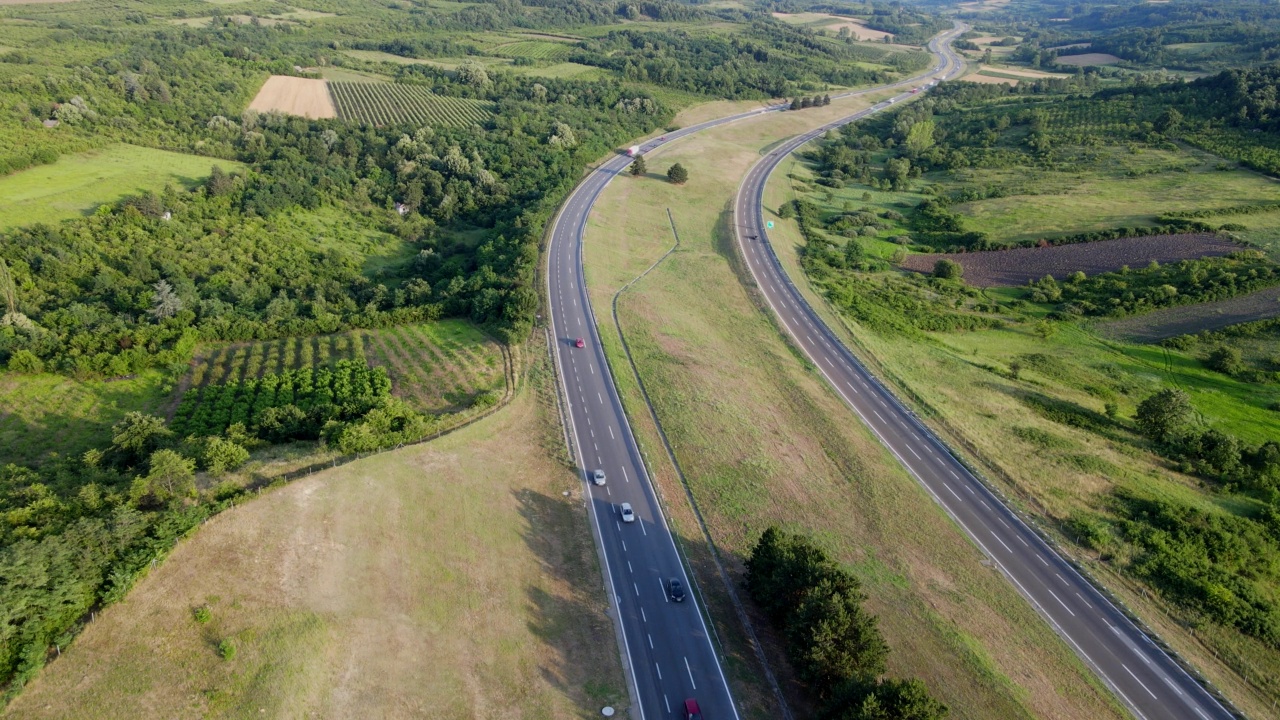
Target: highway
column 667, row 650
column 1149, row 682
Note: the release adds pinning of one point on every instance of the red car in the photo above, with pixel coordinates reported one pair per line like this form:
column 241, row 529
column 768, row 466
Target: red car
column 579, row 343
column 691, row 710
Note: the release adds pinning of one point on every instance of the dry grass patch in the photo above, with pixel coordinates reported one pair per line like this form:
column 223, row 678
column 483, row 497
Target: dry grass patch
column 451, row 579
column 764, row 441
column 295, row 96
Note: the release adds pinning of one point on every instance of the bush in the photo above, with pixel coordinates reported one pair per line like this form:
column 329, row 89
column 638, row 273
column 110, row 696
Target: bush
column 202, row 614
column 948, row 269
column 227, row 649
column 26, row 362
column 1226, row 360
column 677, row 174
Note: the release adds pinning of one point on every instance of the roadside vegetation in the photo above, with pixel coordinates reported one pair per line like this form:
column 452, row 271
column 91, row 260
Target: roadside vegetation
column 1157, row 462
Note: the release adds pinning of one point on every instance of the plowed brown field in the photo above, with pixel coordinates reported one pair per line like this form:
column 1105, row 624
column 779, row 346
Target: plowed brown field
column 1017, row 266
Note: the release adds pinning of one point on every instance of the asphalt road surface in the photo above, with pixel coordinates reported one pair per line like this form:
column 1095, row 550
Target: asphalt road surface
column 666, row 645
column 1143, row 676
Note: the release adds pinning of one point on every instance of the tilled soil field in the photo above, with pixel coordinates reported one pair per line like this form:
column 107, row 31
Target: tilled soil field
column 995, row 268
column 1184, row 320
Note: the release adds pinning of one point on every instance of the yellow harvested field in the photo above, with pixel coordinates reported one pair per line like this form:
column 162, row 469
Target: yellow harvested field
column 988, row 80
column 1020, row 72
column 1089, row 59
column 295, row 96
column 833, row 23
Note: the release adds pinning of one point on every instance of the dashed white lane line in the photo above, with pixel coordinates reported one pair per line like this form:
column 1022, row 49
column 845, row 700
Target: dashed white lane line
column 629, row 568
column 637, row 589
column 1086, row 602
column 877, row 414
column 1169, row 682
column 953, row 492
column 650, row 640
column 600, row 398
column 611, row 437
column 624, row 475
column 851, row 387
column 1064, row 606
column 1041, row 559
column 1006, row 547
column 1135, row 678
column 953, row 473
column 643, row 617
column 690, row 671
column 913, row 452
column 655, row 667
column 1024, row 542
column 663, row 589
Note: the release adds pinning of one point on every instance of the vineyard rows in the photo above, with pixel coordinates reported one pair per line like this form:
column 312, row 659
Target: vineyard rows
column 244, row 362
column 537, row 50
column 210, row 410
column 435, row 370
column 392, row 103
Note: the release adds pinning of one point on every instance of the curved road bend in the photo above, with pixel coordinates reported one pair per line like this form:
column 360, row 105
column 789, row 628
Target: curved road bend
column 668, row 652
column 1143, row 676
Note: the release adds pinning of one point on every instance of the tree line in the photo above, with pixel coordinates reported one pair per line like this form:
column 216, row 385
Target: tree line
column 833, row 643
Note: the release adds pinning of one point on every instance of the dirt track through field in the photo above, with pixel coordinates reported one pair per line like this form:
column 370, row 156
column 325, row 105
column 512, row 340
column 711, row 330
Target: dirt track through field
column 295, row 96
column 1174, row 321
column 994, row 268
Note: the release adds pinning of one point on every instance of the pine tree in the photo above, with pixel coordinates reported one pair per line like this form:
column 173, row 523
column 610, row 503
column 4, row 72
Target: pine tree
column 638, row 167
column 677, row 174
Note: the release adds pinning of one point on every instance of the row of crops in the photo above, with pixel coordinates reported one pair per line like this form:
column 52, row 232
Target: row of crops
column 536, row 50
column 240, row 362
column 210, row 410
column 392, row 103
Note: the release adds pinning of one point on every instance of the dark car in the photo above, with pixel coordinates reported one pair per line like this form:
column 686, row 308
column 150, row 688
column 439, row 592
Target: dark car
column 676, row 589
column 691, row 710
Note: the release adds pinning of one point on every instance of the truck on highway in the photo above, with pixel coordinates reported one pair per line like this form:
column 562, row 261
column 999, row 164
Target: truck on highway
column 633, row 151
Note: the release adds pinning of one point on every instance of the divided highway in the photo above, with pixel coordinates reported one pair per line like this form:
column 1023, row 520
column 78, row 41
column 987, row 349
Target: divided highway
column 668, row 651
column 1144, row 677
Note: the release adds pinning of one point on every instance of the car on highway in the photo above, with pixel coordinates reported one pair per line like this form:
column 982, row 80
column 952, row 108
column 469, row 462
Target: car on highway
column 691, row 710
column 628, row 515
column 597, row 477
column 675, row 588
column 579, row 343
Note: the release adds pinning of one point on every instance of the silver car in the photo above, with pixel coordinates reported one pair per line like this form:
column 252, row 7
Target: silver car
column 597, row 477
column 628, row 515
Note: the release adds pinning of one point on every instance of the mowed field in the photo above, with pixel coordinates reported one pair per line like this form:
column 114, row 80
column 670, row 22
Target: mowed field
column 76, row 185
column 447, row 580
column 1085, row 59
column 294, row 96
column 1018, row 266
column 762, row 440
column 833, row 23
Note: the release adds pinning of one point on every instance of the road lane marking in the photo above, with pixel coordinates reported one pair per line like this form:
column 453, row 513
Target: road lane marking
column 1135, row 678
column 655, row 667
column 690, row 671
column 633, row 570
column 637, row 588
column 624, row 475
column 611, row 437
column 642, row 530
column 877, row 414
column 1064, row 605
column 600, row 398
column 953, row 492
column 913, row 452
column 663, row 588
column 624, row 546
column 1169, row 682
column 643, row 617
column 851, row 387
column 1041, row 559
column 650, row 640
column 1024, row 542
column 953, row 473
column 1006, row 547
column 664, row 700
column 1086, row 602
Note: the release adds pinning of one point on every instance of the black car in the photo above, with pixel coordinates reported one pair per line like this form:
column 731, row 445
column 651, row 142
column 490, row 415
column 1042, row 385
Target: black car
column 676, row 589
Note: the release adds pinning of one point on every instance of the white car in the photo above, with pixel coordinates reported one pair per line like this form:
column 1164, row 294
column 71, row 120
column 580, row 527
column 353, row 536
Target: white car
column 628, row 515
column 597, row 477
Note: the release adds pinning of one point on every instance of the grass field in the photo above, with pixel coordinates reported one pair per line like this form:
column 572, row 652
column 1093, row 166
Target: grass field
column 451, row 579
column 76, row 185
column 41, row 414
column 438, row 367
column 960, row 383
column 762, row 440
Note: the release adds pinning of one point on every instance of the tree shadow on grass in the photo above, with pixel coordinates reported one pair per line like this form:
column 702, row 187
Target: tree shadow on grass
column 571, row 619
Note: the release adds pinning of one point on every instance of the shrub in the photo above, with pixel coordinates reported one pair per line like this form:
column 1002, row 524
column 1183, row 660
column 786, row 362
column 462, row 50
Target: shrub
column 948, row 269
column 202, row 614
column 677, row 174
column 26, row 362
column 227, row 649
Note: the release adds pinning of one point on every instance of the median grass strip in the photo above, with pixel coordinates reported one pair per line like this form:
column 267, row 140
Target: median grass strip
column 764, row 441
column 451, row 579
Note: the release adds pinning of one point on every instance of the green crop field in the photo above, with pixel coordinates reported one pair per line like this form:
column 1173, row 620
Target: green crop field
column 386, row 103
column 76, row 185
column 437, row 367
column 536, row 49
